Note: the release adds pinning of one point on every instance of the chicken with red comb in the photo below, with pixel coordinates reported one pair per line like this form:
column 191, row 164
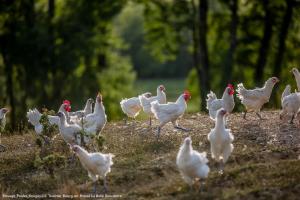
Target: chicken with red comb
column 171, row 111
column 67, row 105
column 213, row 104
column 254, row 99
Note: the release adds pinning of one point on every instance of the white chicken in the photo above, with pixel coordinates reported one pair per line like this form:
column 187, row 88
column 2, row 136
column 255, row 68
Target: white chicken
column 253, row 100
column 34, row 117
column 220, row 140
column 132, row 106
column 146, row 102
column 97, row 164
column 290, row 104
column 94, row 123
column 88, row 108
column 296, row 73
column 286, row 92
column 192, row 165
column 3, row 112
column 170, row 112
column 227, row 102
column 69, row 132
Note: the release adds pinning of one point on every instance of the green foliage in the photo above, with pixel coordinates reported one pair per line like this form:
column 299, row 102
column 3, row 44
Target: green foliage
column 47, row 158
column 87, row 46
column 39, row 142
column 155, row 51
column 49, row 130
column 50, row 162
column 65, row 53
column 192, row 83
column 115, row 83
column 100, row 141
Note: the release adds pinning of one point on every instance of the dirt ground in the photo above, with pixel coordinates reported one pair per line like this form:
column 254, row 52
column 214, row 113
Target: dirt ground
column 264, row 164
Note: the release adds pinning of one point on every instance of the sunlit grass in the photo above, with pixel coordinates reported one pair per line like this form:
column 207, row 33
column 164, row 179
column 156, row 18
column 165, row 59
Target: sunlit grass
column 174, row 87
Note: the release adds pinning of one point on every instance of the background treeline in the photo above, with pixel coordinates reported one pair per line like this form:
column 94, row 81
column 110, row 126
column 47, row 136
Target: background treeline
column 52, row 50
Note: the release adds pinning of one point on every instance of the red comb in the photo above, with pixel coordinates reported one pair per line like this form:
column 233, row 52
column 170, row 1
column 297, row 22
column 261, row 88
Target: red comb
column 230, row 85
column 186, row 92
column 67, row 102
column 68, row 108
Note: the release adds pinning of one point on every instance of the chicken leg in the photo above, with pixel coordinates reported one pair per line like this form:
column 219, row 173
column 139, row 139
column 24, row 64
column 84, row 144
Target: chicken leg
column 95, row 188
column 105, row 188
column 245, row 113
column 259, row 116
column 125, row 120
column 201, row 185
column 158, row 132
column 221, row 167
column 292, row 120
column 46, row 139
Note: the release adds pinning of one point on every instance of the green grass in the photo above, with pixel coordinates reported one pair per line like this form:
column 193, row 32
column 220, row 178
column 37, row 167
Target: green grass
column 174, row 87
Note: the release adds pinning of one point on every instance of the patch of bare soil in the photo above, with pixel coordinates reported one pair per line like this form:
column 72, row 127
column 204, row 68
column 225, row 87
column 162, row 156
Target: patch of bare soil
column 263, row 165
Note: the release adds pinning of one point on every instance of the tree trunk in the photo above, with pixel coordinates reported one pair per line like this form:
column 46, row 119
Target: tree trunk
column 27, row 82
column 51, row 9
column 195, row 35
column 203, row 70
column 287, row 19
column 228, row 67
column 264, row 44
column 10, row 88
column 54, row 97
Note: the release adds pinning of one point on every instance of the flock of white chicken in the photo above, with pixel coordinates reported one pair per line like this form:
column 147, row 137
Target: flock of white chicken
column 192, row 165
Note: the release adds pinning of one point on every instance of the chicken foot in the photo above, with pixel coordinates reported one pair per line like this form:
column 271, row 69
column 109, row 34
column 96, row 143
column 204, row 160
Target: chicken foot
column 182, row 128
column 125, row 120
column 221, row 167
column 292, row 120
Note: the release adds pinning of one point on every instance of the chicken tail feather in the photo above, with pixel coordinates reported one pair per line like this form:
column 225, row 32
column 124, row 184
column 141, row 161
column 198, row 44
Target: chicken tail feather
column 240, row 90
column 210, row 98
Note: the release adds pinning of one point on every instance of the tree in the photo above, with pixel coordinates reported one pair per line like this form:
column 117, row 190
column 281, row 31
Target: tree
column 229, row 61
column 283, row 33
column 203, row 69
column 265, row 43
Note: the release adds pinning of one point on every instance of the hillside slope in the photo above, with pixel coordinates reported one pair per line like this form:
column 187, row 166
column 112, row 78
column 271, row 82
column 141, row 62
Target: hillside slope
column 264, row 165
